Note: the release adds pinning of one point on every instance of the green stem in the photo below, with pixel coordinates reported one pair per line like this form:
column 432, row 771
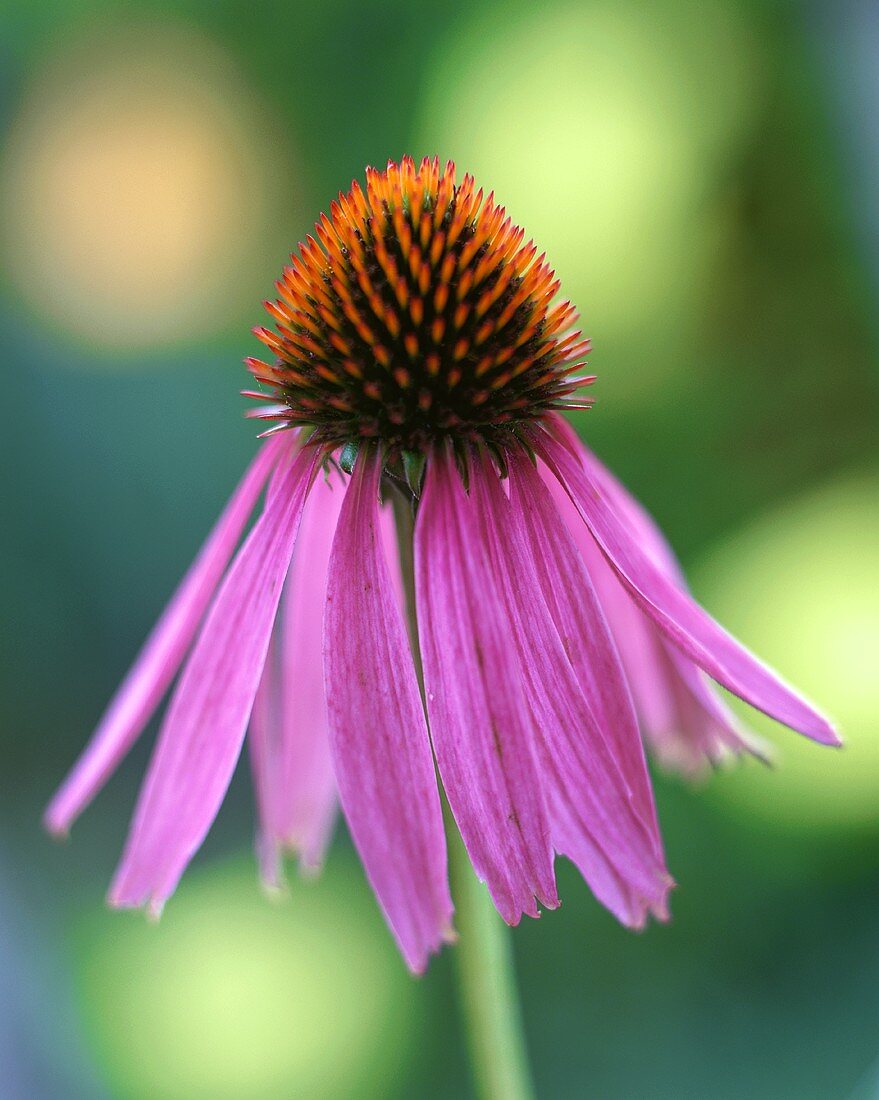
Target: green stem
column 487, row 984
column 484, row 963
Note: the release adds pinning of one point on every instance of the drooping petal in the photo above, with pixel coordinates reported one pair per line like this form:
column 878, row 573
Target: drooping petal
column 702, row 728
column 580, row 621
column 263, row 742
column 388, row 535
column 481, row 727
column 681, row 713
column 161, row 656
column 306, row 801
column 201, row 735
column 288, row 739
column 630, row 511
column 378, row 734
column 672, row 609
column 595, row 774
column 699, row 711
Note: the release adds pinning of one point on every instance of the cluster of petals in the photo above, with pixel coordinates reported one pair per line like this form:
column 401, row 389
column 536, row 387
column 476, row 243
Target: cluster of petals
column 556, row 635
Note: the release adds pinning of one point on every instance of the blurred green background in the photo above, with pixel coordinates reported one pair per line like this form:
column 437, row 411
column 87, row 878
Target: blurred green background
column 704, row 176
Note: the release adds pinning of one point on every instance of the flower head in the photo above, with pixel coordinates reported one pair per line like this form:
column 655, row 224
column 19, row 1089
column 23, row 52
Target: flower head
column 418, row 355
column 417, row 314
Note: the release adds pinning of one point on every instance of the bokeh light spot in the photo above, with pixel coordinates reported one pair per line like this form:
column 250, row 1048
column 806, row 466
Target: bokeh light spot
column 235, row 995
column 799, row 586
column 135, row 192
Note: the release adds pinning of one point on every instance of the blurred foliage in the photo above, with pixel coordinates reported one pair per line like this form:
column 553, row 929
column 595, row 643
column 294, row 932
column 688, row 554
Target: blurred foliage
column 692, row 166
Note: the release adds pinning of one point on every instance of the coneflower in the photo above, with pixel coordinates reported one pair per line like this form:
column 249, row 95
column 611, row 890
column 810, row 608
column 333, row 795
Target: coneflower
column 420, row 363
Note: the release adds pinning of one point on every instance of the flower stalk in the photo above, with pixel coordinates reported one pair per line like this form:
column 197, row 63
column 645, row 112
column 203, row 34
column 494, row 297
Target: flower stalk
column 487, row 989
column 487, row 992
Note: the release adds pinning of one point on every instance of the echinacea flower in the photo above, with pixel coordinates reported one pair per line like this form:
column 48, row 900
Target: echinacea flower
column 419, row 356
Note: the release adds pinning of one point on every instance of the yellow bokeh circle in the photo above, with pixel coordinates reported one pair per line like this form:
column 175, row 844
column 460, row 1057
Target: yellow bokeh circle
column 134, row 188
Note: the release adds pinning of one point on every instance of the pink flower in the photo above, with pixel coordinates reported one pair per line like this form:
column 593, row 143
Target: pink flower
column 419, row 357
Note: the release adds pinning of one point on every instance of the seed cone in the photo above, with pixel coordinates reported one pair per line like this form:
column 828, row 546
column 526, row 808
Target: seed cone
column 415, row 314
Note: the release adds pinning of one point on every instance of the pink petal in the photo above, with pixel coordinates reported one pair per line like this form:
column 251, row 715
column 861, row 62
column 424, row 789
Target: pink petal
column 673, row 610
column 306, row 802
column 699, row 712
column 481, row 727
column 378, row 733
column 601, row 802
column 629, row 510
column 582, row 625
column 681, row 714
column 703, row 727
column 388, row 536
column 161, row 655
column 204, row 726
column 263, row 741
